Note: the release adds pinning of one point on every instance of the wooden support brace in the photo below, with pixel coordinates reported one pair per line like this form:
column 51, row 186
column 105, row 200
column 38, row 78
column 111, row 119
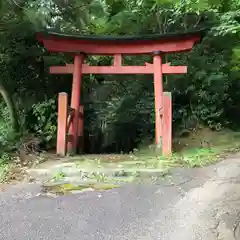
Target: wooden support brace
column 81, row 117
column 70, row 118
column 167, row 124
column 119, row 69
column 81, row 129
column 71, row 111
column 62, row 123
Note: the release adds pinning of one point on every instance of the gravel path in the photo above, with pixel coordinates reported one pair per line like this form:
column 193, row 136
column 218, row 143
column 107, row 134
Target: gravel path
column 192, row 204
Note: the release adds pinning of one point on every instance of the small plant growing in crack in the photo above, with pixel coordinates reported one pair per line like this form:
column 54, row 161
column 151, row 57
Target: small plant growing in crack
column 59, row 176
column 100, row 177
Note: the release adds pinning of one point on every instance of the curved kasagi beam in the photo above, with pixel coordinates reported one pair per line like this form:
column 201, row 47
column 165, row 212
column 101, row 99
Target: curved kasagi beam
column 102, row 45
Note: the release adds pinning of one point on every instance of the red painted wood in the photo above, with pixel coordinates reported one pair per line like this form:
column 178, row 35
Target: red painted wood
column 168, row 69
column 167, row 124
column 62, row 123
column 158, row 94
column 117, row 60
column 110, row 47
column 116, row 69
column 68, row 69
column 163, row 103
column 75, row 101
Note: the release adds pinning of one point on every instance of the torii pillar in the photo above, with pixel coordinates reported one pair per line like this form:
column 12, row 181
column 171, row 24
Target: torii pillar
column 75, row 102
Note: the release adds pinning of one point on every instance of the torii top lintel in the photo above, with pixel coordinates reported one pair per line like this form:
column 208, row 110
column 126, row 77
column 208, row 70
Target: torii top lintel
column 110, row 45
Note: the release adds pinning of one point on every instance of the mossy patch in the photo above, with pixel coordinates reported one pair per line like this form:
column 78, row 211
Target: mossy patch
column 202, row 148
column 144, row 164
column 4, row 172
column 67, row 188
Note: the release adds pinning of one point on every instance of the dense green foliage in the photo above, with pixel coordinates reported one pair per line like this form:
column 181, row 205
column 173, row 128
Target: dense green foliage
column 119, row 110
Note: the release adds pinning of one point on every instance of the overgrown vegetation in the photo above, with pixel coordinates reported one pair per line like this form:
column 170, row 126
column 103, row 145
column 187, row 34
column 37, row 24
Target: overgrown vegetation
column 119, row 114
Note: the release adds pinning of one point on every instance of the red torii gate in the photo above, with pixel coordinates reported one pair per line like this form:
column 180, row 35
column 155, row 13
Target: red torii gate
column 70, row 120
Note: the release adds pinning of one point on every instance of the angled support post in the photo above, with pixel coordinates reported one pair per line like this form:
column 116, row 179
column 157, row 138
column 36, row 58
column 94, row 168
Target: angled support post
column 62, row 123
column 75, row 101
column 81, row 129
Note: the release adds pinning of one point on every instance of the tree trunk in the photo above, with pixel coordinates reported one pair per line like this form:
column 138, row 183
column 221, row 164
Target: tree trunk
column 11, row 108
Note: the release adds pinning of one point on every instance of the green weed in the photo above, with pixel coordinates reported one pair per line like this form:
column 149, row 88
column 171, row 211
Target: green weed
column 59, row 176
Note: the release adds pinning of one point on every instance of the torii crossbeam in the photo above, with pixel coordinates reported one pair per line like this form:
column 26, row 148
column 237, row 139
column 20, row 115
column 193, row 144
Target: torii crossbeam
column 70, row 120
